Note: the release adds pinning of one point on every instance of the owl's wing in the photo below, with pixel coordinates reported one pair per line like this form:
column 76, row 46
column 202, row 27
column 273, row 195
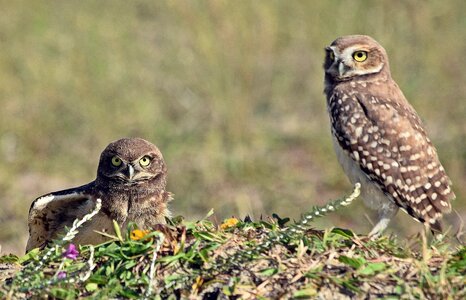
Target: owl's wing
column 49, row 213
column 388, row 141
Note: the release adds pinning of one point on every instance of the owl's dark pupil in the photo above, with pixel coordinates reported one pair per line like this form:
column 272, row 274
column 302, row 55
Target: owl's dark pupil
column 359, row 54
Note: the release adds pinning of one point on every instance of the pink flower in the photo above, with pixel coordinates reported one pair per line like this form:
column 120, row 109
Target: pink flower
column 61, row 275
column 71, row 252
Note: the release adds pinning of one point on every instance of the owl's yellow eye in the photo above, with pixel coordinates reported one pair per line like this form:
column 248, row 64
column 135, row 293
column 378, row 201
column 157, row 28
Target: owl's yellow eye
column 145, row 161
column 331, row 55
column 360, row 56
column 116, row 161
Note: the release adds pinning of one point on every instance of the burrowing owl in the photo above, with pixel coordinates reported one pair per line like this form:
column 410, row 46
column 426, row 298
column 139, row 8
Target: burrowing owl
column 379, row 138
column 131, row 180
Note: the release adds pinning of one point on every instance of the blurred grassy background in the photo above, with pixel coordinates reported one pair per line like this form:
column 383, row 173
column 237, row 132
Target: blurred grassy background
column 230, row 91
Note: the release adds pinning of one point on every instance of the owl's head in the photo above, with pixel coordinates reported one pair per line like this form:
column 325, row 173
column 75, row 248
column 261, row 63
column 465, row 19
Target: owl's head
column 354, row 56
column 131, row 161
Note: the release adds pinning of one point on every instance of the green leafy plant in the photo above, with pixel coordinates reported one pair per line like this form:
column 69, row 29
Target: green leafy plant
column 267, row 258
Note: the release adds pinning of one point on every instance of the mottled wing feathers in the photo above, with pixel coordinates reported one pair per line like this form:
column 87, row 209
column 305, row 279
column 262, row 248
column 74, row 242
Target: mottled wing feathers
column 388, row 141
column 50, row 213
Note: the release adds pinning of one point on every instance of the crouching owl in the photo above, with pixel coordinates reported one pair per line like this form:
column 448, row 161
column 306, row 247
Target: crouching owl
column 131, row 180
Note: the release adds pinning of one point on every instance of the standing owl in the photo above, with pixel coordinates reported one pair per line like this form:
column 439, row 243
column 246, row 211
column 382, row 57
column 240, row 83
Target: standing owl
column 378, row 137
column 131, row 180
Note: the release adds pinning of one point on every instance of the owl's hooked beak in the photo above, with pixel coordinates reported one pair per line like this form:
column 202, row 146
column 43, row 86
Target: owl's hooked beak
column 133, row 175
column 341, row 69
column 130, row 172
column 337, row 70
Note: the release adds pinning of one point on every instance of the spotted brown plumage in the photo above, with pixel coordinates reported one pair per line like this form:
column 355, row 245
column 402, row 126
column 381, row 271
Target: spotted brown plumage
column 131, row 181
column 379, row 138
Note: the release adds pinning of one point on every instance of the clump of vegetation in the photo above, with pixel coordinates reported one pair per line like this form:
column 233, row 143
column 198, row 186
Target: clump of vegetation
column 269, row 258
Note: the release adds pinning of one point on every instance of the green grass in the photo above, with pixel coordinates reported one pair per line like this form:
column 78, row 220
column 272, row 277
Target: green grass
column 230, row 91
column 269, row 258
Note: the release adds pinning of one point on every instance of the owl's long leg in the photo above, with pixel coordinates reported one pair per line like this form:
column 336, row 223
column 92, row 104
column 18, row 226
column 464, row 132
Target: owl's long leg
column 386, row 212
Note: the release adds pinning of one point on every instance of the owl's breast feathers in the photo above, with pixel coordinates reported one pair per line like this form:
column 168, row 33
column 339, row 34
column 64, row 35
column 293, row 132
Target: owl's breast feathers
column 376, row 126
column 51, row 213
column 146, row 208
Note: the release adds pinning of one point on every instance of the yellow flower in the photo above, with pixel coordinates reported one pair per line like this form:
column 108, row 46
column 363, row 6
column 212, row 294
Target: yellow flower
column 199, row 281
column 231, row 222
column 138, row 234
